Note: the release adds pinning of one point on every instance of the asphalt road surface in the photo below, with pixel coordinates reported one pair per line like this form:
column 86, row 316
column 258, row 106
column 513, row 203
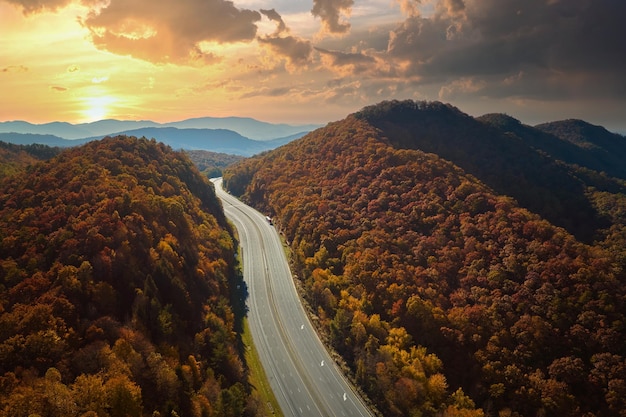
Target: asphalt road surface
column 304, row 378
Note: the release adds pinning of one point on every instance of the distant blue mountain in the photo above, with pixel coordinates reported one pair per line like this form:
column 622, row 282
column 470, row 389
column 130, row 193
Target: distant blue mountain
column 59, row 129
column 30, row 138
column 215, row 140
column 247, row 127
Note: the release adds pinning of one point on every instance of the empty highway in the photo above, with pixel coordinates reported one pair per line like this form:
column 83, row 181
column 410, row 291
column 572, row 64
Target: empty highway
column 304, row 378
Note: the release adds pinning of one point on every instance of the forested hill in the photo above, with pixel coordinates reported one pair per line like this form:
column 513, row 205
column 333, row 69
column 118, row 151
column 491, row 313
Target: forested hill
column 116, row 270
column 15, row 158
column 445, row 295
column 546, row 173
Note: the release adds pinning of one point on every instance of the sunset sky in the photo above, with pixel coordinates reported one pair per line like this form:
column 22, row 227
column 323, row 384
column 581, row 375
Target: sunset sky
column 313, row 61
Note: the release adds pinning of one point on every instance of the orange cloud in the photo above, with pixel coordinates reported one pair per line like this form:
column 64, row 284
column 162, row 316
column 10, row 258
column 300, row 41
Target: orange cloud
column 275, row 17
column 170, row 32
column 347, row 63
column 297, row 51
column 35, row 6
column 330, row 11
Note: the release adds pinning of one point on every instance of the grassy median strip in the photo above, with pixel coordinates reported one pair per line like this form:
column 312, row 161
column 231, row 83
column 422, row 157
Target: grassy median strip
column 257, row 378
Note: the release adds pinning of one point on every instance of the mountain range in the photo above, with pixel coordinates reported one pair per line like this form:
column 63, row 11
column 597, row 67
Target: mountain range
column 461, row 266
column 247, row 127
column 232, row 135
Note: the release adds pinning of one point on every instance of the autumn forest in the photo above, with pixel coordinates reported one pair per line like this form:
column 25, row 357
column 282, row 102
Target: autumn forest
column 116, row 281
column 458, row 266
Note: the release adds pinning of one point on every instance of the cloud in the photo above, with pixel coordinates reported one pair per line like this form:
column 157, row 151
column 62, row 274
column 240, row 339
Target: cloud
column 347, row 63
column 14, row 68
column 36, row 6
column 297, row 51
column 170, row 32
column 58, row 88
column 460, row 86
column 330, row 12
column 554, row 48
column 275, row 17
column 268, row 92
column 409, row 7
column 346, row 93
column 39, row 6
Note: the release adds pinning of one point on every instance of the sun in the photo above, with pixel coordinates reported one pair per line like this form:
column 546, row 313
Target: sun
column 97, row 108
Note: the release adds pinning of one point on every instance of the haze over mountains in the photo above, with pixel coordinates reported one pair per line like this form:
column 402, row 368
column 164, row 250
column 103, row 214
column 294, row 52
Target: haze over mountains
column 248, row 127
column 234, row 135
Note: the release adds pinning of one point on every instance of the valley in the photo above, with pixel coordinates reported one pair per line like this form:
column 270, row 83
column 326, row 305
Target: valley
column 461, row 266
column 302, row 374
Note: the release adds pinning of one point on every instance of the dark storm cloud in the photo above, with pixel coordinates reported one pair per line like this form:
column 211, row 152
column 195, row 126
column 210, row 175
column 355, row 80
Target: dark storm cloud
column 525, row 47
column 169, row 31
column 330, row 11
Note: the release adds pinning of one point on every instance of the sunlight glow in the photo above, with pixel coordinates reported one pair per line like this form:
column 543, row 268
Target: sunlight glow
column 97, row 108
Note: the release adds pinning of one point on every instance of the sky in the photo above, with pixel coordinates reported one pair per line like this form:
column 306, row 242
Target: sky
column 310, row 61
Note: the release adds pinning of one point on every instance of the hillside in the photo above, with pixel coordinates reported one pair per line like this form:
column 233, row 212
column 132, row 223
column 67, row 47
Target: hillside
column 519, row 161
column 211, row 164
column 116, row 278
column 443, row 294
column 15, row 158
column 586, row 136
column 561, row 141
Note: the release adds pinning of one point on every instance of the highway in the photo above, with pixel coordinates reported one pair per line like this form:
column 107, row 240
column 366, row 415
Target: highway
column 302, row 374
